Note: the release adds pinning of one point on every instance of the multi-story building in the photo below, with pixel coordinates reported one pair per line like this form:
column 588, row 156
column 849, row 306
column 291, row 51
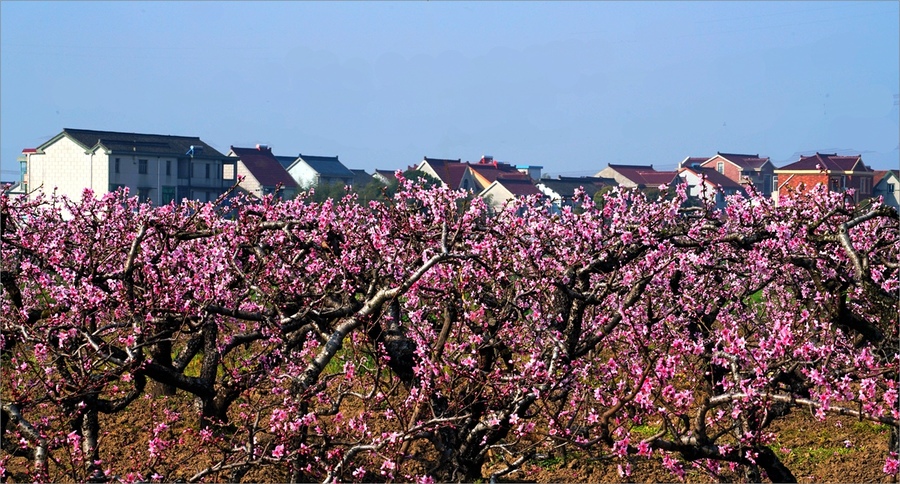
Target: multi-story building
column 838, row 173
column 745, row 170
column 158, row 168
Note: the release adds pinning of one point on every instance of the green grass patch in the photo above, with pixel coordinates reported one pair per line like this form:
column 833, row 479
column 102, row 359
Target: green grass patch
column 645, row 430
column 871, row 428
column 550, row 463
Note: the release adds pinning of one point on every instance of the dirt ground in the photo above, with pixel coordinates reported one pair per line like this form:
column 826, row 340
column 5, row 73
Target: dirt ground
column 840, row 450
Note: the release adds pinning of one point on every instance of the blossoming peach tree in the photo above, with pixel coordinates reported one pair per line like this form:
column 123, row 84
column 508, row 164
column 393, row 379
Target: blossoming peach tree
column 425, row 337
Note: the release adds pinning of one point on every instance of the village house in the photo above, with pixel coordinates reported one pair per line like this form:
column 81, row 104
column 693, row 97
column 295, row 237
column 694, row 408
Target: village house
column 708, row 185
column 838, row 173
column 449, row 172
column 159, row 168
column 887, row 185
column 262, row 173
column 637, row 176
column 501, row 191
column 385, row 176
column 745, row 170
column 310, row 171
column 561, row 190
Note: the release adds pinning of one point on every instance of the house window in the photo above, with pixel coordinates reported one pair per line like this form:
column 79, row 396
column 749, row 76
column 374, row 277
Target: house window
column 207, row 170
column 184, row 171
column 142, row 167
column 720, row 167
column 843, row 182
column 890, row 188
column 834, row 184
column 118, row 162
column 168, row 195
column 143, row 194
column 169, row 170
column 774, row 183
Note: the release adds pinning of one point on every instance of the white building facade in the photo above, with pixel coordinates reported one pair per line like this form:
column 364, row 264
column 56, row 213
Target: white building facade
column 158, row 168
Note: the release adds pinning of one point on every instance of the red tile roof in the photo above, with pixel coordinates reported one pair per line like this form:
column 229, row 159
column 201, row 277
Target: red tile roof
column 519, row 187
column 493, row 170
column 449, row 171
column 832, row 162
column 716, row 178
column 656, row 178
column 264, row 166
column 879, row 174
column 645, row 175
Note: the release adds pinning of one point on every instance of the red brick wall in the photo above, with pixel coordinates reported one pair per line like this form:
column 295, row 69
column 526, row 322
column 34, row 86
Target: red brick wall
column 789, row 183
column 732, row 171
column 787, row 180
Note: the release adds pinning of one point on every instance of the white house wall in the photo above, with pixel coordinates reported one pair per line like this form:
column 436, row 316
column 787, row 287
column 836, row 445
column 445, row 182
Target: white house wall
column 148, row 185
column 62, row 167
column 695, row 186
column 496, row 196
column 426, row 168
column 890, row 198
column 303, row 174
column 610, row 172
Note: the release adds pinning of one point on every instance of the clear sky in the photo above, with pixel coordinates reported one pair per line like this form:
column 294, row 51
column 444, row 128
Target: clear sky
column 571, row 86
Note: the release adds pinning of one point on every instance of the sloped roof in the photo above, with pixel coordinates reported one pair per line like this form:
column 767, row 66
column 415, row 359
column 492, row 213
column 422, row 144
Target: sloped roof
column 152, row 144
column 387, row 173
column 645, row 175
column 286, row 161
column 656, row 178
column 828, row 162
column 449, row 171
column 747, row 162
column 326, row 165
column 264, row 166
column 492, row 171
column 715, row 178
column 360, row 178
column 519, row 187
column 881, row 174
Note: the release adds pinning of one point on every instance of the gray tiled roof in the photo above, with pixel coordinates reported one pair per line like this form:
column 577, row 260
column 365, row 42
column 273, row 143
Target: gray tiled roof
column 152, row 144
column 327, row 165
column 286, row 161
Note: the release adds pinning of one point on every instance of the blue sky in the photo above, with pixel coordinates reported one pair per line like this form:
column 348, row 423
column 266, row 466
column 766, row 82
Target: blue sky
column 571, row 86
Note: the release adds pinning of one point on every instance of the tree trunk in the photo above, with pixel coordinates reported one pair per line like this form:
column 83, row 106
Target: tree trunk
column 161, row 353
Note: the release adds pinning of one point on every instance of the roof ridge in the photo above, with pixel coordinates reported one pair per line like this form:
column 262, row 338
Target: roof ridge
column 127, row 133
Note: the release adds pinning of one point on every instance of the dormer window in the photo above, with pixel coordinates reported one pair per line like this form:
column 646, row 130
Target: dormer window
column 720, row 167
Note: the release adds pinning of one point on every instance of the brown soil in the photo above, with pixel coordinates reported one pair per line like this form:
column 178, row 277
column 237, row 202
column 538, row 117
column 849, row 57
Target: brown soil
column 814, row 451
